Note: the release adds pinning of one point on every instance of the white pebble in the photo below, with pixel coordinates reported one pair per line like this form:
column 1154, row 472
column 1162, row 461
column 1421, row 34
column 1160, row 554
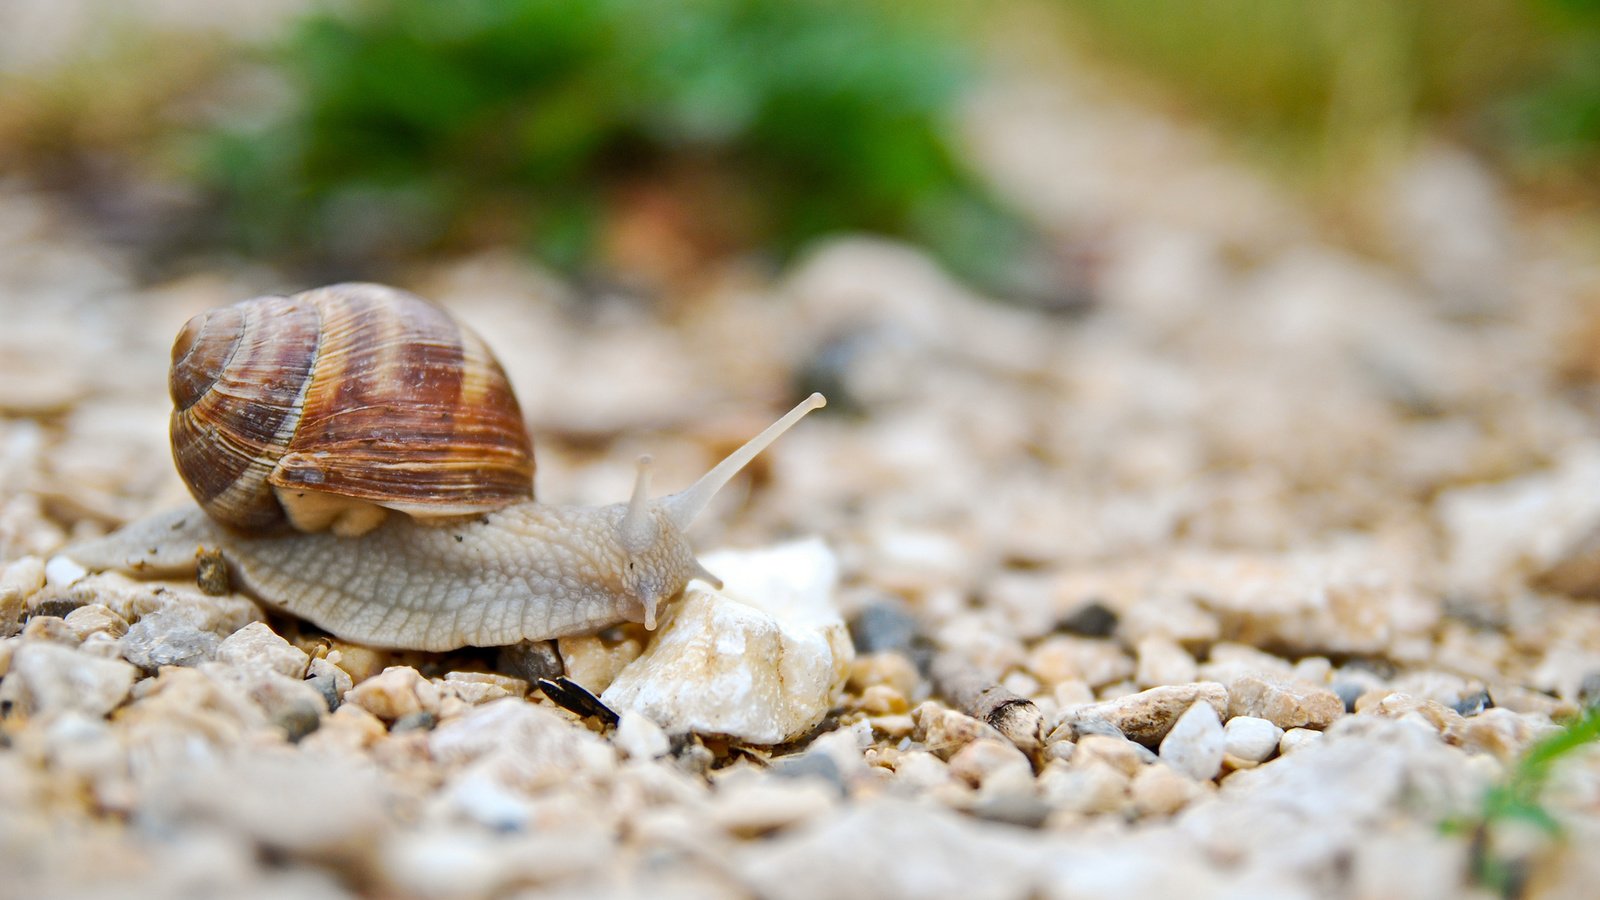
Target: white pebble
column 1252, row 738
column 641, row 738
column 61, row 572
column 1196, row 743
column 1296, row 738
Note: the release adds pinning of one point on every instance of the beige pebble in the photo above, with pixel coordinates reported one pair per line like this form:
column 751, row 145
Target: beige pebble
column 892, row 670
column 759, row 806
column 360, row 662
column 1296, row 738
column 96, row 618
column 50, row 628
column 257, row 644
column 399, row 691
column 1096, row 787
column 921, row 770
column 342, row 682
column 1284, row 703
column 594, row 661
column 882, row 700
column 475, row 688
column 986, row 760
column 1061, row 658
column 641, row 738
column 1161, row 661
column 943, row 731
column 349, row 730
column 1158, row 790
column 1147, row 716
column 46, row 678
column 895, row 726
column 1499, row 732
column 1121, row 754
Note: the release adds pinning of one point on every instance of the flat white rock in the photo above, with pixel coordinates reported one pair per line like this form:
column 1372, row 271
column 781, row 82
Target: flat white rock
column 761, row 661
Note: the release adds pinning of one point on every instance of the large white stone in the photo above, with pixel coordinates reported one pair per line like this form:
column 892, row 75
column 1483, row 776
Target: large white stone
column 762, row 660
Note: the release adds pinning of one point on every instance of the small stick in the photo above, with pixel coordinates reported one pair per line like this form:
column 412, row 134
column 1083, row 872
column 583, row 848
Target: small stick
column 1012, row 715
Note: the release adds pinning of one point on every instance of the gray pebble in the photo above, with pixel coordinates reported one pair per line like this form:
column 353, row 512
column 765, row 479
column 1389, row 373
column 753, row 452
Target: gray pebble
column 1093, row 619
column 530, row 661
column 810, row 765
column 168, row 637
column 1474, row 703
column 421, row 720
column 884, row 626
column 1349, row 692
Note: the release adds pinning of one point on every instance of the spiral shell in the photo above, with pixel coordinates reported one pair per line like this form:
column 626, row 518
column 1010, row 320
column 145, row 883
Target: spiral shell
column 352, row 393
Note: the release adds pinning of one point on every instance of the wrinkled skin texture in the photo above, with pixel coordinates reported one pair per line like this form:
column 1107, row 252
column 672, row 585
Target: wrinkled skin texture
column 526, row 572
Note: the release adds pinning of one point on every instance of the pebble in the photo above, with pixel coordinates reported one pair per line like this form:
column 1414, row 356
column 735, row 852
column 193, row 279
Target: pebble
column 892, row 670
column 1060, row 658
column 1085, row 788
column 1147, row 716
column 62, row 572
column 641, row 738
column 1093, row 619
column 1162, row 661
column 96, row 618
column 333, row 681
column 46, row 678
column 935, row 854
column 763, row 661
column 257, row 644
column 944, row 732
column 1162, row 790
column 987, row 762
column 595, row 660
column 886, row 626
column 1195, row 745
column 921, row 771
column 1251, row 738
column 397, row 692
column 1284, row 703
column 171, row 636
column 1297, row 738
column 755, row 806
column 476, row 688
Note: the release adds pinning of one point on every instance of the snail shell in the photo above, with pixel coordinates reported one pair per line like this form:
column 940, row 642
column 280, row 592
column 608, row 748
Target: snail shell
column 325, row 408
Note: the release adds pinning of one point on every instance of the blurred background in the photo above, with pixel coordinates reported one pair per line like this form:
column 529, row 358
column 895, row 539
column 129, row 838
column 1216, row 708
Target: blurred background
column 640, row 145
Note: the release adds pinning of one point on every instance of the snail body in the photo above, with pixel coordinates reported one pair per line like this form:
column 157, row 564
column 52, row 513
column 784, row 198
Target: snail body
column 514, row 569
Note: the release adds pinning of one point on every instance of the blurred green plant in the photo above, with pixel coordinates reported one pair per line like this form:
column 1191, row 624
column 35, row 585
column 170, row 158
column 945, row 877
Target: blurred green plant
column 576, row 127
column 1328, row 88
column 1518, row 803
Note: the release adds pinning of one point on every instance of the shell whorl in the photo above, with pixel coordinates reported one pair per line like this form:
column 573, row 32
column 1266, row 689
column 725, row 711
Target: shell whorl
column 357, row 391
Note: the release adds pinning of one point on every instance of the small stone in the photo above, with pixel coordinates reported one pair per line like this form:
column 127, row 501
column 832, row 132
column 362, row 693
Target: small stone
column 1095, row 787
column 170, row 636
column 889, row 669
column 350, row 730
column 943, row 731
column 332, row 681
column 475, row 688
column 46, row 678
column 257, row 644
column 1473, row 703
column 641, row 738
column 756, row 806
column 763, row 661
column 1121, row 754
column 1196, row 743
column 62, row 572
column 1251, row 738
column 96, row 618
column 1160, row 790
column 398, row 692
column 895, row 726
column 1093, row 619
column 1161, row 662
column 19, row 580
column 986, row 761
column 921, row 771
column 881, row 699
column 1287, row 704
column 50, row 628
column 421, row 720
column 1296, row 738
column 531, row 660
column 1065, row 658
column 594, row 660
column 1147, row 716
column 886, row 626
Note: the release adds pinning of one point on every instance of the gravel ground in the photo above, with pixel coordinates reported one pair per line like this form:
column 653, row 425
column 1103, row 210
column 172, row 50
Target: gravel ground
column 1239, row 580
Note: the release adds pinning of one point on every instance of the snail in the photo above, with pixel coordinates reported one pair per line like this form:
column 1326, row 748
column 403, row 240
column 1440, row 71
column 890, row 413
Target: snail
column 360, row 462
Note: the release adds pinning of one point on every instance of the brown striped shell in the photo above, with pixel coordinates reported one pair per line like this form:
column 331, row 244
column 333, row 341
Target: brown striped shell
column 350, row 396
